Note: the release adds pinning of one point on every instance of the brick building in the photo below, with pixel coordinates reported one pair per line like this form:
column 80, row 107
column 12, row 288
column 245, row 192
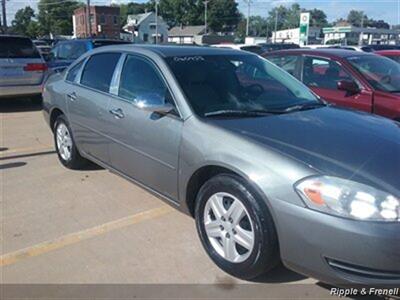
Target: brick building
column 104, row 22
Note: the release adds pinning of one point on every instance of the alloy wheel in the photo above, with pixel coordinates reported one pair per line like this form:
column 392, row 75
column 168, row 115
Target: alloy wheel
column 64, row 142
column 229, row 227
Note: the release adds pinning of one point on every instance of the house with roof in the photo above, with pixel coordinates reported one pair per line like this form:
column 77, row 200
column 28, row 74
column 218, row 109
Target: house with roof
column 185, row 34
column 144, row 28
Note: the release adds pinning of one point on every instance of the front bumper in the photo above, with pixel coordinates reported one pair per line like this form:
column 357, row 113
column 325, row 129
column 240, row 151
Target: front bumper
column 20, row 90
column 336, row 250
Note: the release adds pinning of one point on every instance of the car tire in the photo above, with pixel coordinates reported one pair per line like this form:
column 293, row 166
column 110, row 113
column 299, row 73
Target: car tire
column 67, row 151
column 255, row 230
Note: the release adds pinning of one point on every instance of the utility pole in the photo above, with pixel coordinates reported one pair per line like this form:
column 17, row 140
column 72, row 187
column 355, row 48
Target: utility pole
column 276, row 24
column 3, row 4
column 248, row 2
column 205, row 16
column 157, row 2
column 88, row 21
column 360, row 40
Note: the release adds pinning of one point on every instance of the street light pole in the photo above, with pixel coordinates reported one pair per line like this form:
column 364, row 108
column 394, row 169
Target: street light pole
column 4, row 23
column 248, row 16
column 157, row 2
column 205, row 15
column 276, row 25
column 88, row 21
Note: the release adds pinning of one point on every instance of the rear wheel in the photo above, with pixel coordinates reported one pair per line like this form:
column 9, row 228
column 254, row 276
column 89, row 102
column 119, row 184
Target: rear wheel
column 66, row 149
column 235, row 227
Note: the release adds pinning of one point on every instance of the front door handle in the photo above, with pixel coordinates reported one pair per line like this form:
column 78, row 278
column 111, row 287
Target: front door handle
column 118, row 113
column 72, row 96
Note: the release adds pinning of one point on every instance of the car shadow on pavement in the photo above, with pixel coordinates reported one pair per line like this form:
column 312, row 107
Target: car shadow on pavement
column 12, row 165
column 280, row 274
column 11, row 105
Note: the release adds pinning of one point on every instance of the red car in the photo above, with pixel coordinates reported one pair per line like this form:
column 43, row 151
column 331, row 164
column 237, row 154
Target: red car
column 392, row 54
column 360, row 80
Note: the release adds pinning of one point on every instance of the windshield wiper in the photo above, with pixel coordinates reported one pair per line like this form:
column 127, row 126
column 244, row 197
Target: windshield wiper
column 230, row 112
column 304, row 106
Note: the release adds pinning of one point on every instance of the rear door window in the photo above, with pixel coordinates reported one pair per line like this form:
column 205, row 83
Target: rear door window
column 99, row 70
column 16, row 47
column 71, row 51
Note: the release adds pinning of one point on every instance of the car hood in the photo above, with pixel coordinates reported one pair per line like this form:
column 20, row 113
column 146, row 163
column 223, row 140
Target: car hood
column 334, row 141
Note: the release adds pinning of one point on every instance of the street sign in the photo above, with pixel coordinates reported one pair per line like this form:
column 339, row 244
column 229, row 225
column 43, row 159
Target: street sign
column 304, row 25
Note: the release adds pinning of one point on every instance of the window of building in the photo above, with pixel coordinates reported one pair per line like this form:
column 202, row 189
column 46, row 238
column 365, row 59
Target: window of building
column 115, row 20
column 99, row 71
column 102, row 19
column 145, row 37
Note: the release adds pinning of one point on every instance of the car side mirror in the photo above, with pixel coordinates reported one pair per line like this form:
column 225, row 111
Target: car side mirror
column 153, row 102
column 348, row 86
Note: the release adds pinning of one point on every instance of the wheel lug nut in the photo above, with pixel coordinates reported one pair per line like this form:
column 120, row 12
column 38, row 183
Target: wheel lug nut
column 228, row 235
column 234, row 231
column 231, row 220
column 221, row 227
column 223, row 219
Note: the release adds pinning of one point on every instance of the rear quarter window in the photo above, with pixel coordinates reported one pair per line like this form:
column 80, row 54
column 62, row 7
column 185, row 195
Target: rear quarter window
column 16, row 47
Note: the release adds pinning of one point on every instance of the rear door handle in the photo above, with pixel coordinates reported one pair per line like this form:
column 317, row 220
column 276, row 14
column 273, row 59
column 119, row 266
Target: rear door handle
column 118, row 113
column 72, row 96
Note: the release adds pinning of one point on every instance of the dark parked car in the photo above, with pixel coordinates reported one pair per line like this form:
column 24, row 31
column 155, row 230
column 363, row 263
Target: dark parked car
column 266, row 47
column 359, row 80
column 22, row 68
column 66, row 51
column 268, row 170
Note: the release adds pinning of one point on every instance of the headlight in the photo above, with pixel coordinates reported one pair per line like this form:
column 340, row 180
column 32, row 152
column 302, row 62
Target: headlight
column 348, row 199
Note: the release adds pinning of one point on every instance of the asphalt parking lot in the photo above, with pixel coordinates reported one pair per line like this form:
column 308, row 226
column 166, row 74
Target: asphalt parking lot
column 91, row 226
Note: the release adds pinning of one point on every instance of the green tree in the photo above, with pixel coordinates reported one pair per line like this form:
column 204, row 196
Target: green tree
column 355, row 18
column 185, row 12
column 23, row 20
column 318, row 18
column 223, row 15
column 55, row 16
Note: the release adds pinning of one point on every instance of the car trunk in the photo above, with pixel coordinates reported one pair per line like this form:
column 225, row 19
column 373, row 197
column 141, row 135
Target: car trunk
column 20, row 62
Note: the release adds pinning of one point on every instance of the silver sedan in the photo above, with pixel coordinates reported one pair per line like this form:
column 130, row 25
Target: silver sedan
column 269, row 171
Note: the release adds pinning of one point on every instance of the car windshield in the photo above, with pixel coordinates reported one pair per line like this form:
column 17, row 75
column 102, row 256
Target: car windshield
column 16, row 47
column 238, row 83
column 381, row 72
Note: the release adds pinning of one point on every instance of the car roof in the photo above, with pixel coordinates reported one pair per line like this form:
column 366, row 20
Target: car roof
column 327, row 52
column 93, row 40
column 14, row 36
column 388, row 52
column 169, row 50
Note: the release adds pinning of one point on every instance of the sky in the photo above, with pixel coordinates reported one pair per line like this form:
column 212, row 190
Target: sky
column 387, row 10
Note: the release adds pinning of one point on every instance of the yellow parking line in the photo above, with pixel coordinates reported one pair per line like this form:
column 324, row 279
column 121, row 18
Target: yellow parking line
column 26, row 150
column 76, row 237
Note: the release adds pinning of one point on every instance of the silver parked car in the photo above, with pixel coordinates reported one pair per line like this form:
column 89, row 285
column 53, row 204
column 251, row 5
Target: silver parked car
column 22, row 69
column 269, row 171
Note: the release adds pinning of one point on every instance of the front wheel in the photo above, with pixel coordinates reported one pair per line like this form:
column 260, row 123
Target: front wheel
column 66, row 149
column 235, row 227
